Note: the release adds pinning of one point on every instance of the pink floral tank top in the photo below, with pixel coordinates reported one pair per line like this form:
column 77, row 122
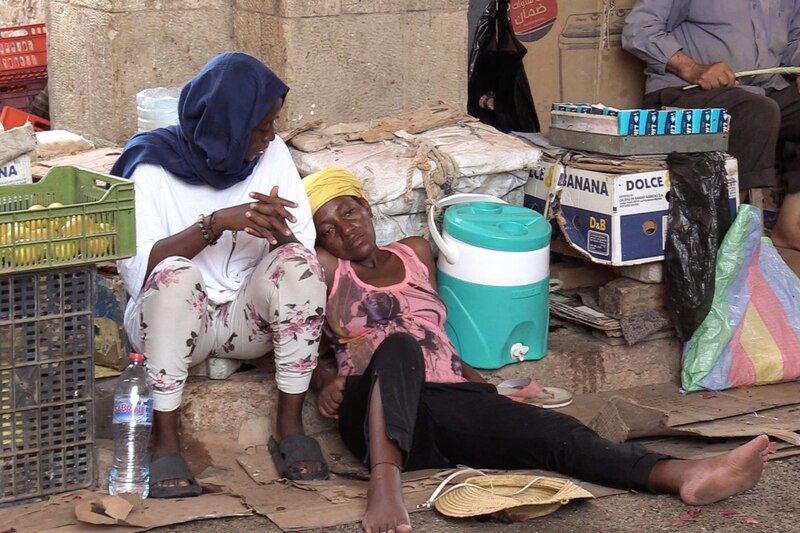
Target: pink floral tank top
column 360, row 316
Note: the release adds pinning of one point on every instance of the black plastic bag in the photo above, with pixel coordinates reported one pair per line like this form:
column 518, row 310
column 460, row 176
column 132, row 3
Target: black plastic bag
column 498, row 93
column 699, row 218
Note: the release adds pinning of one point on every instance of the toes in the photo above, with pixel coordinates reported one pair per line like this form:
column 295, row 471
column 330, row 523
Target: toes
column 173, row 483
column 306, row 467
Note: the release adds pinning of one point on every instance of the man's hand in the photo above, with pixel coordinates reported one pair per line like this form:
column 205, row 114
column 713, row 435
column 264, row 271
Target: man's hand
column 714, row 76
column 707, row 76
column 330, row 397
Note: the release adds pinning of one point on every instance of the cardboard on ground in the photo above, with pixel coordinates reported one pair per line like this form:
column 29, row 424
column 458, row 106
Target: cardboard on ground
column 242, row 480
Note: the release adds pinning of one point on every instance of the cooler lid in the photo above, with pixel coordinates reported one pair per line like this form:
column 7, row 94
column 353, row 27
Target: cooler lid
column 510, row 228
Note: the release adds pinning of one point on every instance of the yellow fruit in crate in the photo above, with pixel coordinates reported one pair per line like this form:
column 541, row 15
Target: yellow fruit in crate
column 55, row 227
column 11, row 234
column 55, row 222
column 7, row 236
column 78, row 225
column 28, row 252
column 8, row 232
column 73, row 226
column 64, row 250
column 97, row 246
column 39, row 222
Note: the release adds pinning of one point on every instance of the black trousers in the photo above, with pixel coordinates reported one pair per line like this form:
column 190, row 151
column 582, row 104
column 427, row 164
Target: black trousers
column 761, row 126
column 443, row 425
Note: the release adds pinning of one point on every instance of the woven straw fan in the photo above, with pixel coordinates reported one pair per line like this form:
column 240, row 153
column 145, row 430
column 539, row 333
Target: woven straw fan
column 527, row 495
column 744, row 73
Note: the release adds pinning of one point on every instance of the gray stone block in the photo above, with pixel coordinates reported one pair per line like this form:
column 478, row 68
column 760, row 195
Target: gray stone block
column 216, row 368
column 626, row 297
column 646, row 273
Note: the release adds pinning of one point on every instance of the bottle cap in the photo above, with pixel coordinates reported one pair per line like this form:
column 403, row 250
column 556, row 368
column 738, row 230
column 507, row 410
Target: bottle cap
column 136, row 357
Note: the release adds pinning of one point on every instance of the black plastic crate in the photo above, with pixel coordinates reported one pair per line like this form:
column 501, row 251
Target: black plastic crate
column 46, row 382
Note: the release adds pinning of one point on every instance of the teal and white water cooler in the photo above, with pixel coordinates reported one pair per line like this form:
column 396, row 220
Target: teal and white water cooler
column 493, row 274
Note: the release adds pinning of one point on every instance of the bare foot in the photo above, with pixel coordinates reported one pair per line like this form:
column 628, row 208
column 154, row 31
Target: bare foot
column 716, row 478
column 386, row 512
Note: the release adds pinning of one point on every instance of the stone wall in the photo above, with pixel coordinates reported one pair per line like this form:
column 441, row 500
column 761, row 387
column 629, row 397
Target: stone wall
column 344, row 60
column 21, row 12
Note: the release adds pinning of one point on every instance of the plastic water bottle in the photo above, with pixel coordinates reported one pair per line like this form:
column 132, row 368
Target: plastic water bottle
column 131, row 425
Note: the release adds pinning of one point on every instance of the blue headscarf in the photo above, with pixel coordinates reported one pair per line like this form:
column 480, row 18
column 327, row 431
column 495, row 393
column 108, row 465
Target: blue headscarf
column 218, row 109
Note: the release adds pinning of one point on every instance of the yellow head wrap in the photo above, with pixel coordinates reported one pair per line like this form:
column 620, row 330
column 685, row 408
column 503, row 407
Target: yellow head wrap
column 330, row 183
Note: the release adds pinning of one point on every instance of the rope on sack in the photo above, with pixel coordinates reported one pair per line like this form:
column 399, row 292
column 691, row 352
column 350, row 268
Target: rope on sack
column 438, row 179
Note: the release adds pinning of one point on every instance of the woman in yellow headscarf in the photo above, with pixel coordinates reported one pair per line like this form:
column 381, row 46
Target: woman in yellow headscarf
column 405, row 400
column 330, row 183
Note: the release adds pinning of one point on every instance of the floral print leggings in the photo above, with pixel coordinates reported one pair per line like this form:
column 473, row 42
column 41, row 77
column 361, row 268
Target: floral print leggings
column 279, row 306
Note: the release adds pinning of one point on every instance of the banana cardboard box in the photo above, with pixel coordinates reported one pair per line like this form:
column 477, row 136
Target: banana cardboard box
column 541, row 187
column 610, row 217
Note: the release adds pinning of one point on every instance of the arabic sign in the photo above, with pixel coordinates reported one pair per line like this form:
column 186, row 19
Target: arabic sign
column 532, row 19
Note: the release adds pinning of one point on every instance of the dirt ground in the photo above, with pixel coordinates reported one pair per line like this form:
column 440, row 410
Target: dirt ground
column 773, row 506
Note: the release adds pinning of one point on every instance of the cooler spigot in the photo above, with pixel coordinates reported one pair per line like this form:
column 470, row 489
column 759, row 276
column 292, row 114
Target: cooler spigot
column 518, row 351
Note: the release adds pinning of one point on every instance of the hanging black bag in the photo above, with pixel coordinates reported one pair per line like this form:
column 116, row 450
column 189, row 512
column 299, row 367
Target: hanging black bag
column 498, row 93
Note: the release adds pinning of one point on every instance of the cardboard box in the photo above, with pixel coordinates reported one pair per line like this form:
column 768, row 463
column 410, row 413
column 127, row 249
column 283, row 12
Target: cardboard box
column 17, row 171
column 539, row 190
column 615, row 219
column 575, row 53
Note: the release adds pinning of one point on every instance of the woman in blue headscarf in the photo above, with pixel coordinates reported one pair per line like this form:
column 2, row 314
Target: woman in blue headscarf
column 224, row 262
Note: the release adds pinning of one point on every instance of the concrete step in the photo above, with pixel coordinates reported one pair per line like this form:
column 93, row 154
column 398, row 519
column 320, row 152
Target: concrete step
column 243, row 405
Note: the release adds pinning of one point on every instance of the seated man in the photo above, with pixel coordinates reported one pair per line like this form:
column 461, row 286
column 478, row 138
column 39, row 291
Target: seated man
column 406, row 401
column 688, row 42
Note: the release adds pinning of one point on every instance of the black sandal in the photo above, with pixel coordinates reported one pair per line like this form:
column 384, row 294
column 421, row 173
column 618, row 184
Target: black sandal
column 172, row 466
column 296, row 449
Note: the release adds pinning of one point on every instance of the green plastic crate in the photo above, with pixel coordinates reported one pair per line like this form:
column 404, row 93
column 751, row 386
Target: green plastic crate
column 96, row 223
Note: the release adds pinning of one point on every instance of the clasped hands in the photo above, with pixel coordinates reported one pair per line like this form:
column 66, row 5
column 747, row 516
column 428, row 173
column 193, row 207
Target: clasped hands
column 266, row 217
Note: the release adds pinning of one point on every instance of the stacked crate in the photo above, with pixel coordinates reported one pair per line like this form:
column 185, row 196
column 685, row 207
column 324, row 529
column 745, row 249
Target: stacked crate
column 23, row 65
column 47, row 325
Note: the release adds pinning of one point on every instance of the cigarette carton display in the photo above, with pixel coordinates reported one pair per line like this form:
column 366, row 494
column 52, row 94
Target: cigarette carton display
column 597, row 118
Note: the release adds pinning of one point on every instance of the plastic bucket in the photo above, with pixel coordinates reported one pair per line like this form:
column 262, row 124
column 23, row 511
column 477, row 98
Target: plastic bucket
column 157, row 107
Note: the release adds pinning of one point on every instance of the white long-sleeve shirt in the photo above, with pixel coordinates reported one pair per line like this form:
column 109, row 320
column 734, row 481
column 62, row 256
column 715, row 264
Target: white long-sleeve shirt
column 166, row 205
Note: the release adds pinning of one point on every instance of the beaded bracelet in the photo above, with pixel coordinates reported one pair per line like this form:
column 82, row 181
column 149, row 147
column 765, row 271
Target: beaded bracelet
column 201, row 223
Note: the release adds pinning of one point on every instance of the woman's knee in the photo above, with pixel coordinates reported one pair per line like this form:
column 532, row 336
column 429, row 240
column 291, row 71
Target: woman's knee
column 174, row 271
column 399, row 352
column 293, row 268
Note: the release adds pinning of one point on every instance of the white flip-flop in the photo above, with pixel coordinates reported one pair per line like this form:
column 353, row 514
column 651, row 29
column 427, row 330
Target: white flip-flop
column 528, row 390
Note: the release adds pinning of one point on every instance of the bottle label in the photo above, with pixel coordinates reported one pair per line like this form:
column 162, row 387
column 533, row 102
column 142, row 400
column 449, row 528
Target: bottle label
column 141, row 412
